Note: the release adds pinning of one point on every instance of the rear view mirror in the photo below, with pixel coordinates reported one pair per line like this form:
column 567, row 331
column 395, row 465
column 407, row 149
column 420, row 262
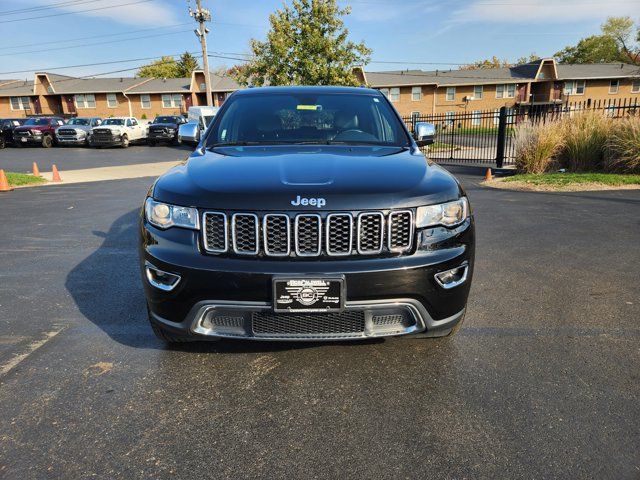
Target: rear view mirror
column 425, row 133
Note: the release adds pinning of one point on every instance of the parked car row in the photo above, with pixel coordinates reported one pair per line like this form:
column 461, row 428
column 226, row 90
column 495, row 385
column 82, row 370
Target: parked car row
column 108, row 132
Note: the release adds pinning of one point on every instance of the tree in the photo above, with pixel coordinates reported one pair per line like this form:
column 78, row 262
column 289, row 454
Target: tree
column 593, row 49
column 495, row 62
column 621, row 30
column 614, row 44
column 165, row 67
column 306, row 45
column 187, row 64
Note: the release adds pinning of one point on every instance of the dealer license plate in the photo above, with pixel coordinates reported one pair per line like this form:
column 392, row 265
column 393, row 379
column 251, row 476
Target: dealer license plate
column 319, row 294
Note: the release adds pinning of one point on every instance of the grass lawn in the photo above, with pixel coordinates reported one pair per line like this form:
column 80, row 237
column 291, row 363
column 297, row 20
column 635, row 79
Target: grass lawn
column 439, row 146
column 561, row 179
column 18, row 179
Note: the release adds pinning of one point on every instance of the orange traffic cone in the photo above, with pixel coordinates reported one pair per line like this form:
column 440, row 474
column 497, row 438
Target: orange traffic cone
column 36, row 171
column 488, row 175
column 4, row 183
column 56, row 174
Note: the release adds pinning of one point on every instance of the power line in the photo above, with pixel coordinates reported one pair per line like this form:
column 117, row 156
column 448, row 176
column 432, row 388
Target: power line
column 71, row 3
column 11, row 47
column 95, row 43
column 95, row 64
column 76, row 12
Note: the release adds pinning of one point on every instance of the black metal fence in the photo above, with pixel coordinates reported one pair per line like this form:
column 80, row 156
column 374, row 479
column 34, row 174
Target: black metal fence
column 485, row 137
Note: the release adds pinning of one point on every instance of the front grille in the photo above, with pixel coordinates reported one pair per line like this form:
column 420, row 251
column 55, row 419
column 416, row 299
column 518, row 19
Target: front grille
column 308, row 234
column 22, row 133
column 347, row 323
column 67, row 131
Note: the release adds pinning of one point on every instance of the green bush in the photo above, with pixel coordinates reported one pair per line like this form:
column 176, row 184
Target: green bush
column 623, row 147
column 536, row 146
column 144, row 116
column 585, row 137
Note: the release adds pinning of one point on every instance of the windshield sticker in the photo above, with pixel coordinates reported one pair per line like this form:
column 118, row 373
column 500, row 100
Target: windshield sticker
column 309, row 107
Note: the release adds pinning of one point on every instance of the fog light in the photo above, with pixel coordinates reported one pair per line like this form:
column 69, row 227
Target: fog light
column 452, row 278
column 225, row 323
column 160, row 279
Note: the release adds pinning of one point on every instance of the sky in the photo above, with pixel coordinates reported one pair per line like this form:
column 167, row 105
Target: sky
column 416, row 34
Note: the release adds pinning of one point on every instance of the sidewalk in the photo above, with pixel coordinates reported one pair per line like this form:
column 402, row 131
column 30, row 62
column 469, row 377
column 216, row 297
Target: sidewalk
column 110, row 173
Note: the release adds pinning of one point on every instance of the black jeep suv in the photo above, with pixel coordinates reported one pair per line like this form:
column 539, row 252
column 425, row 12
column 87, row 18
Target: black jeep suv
column 165, row 129
column 7, row 126
column 307, row 213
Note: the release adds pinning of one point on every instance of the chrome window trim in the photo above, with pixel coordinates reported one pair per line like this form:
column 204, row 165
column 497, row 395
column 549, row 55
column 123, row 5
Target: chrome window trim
column 204, row 232
column 411, row 231
column 370, row 252
column 234, row 238
column 328, row 233
column 265, row 234
column 297, row 237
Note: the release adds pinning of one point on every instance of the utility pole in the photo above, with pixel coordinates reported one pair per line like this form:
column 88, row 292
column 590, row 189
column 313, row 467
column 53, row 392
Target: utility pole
column 202, row 15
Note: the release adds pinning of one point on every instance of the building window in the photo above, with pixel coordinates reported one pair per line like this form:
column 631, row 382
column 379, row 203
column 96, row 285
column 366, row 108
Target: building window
column 88, row 100
column 451, row 94
column 19, row 103
column 574, row 87
column 506, row 91
column 416, row 94
column 635, row 86
column 385, row 92
column 394, row 94
column 476, row 116
column 478, row 91
column 415, row 114
column 614, row 86
column 112, row 100
column 496, row 116
column 171, row 101
column 145, row 101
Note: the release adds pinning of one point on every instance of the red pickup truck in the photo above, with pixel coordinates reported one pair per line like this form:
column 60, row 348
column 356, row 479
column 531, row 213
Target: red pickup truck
column 39, row 130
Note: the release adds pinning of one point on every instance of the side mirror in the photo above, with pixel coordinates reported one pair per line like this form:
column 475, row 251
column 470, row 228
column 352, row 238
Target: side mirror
column 424, row 133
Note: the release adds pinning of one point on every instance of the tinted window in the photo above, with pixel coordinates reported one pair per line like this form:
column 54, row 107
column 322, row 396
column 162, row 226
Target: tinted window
column 274, row 118
column 113, row 121
column 166, row 120
column 79, row 121
column 37, row 121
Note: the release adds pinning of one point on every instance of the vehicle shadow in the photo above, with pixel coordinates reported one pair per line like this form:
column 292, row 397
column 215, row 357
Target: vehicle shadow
column 107, row 288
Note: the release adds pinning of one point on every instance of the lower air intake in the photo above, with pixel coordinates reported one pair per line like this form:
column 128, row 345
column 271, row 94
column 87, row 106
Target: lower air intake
column 312, row 325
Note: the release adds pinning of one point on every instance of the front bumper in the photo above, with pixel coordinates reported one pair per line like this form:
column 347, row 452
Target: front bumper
column 226, row 297
column 27, row 139
column 104, row 141
column 163, row 137
column 71, row 140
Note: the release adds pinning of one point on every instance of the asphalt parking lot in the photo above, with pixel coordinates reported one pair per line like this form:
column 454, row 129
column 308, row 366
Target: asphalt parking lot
column 542, row 381
column 76, row 158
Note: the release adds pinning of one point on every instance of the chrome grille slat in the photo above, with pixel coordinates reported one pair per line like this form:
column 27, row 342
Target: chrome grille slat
column 245, row 233
column 276, row 230
column 370, row 233
column 216, row 232
column 400, row 231
column 293, row 234
column 308, row 235
column 339, row 234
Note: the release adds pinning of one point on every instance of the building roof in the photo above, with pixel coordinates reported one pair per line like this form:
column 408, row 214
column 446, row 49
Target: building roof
column 518, row 73
column 161, row 85
column 70, row 85
column 16, row 88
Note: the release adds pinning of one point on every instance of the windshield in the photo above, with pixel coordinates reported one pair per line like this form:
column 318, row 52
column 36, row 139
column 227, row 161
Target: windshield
column 78, row 121
column 113, row 121
column 37, row 121
column 208, row 119
column 165, row 120
column 308, row 118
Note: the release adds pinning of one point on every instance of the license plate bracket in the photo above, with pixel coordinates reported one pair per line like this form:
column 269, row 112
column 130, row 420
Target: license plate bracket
column 309, row 294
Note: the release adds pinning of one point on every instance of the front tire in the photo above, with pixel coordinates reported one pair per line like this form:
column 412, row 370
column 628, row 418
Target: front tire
column 2, row 143
column 47, row 141
column 124, row 141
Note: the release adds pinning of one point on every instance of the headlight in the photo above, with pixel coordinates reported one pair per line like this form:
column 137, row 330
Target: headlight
column 447, row 214
column 163, row 215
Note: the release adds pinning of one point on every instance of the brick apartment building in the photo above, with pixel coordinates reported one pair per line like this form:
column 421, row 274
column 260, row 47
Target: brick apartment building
column 53, row 94
column 540, row 82
column 411, row 91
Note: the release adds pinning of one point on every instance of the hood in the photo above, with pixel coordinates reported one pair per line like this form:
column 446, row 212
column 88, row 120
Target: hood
column 84, row 128
column 271, row 178
column 113, row 128
column 23, row 128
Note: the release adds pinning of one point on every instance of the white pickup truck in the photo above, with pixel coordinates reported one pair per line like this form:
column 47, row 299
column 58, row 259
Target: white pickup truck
column 120, row 131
